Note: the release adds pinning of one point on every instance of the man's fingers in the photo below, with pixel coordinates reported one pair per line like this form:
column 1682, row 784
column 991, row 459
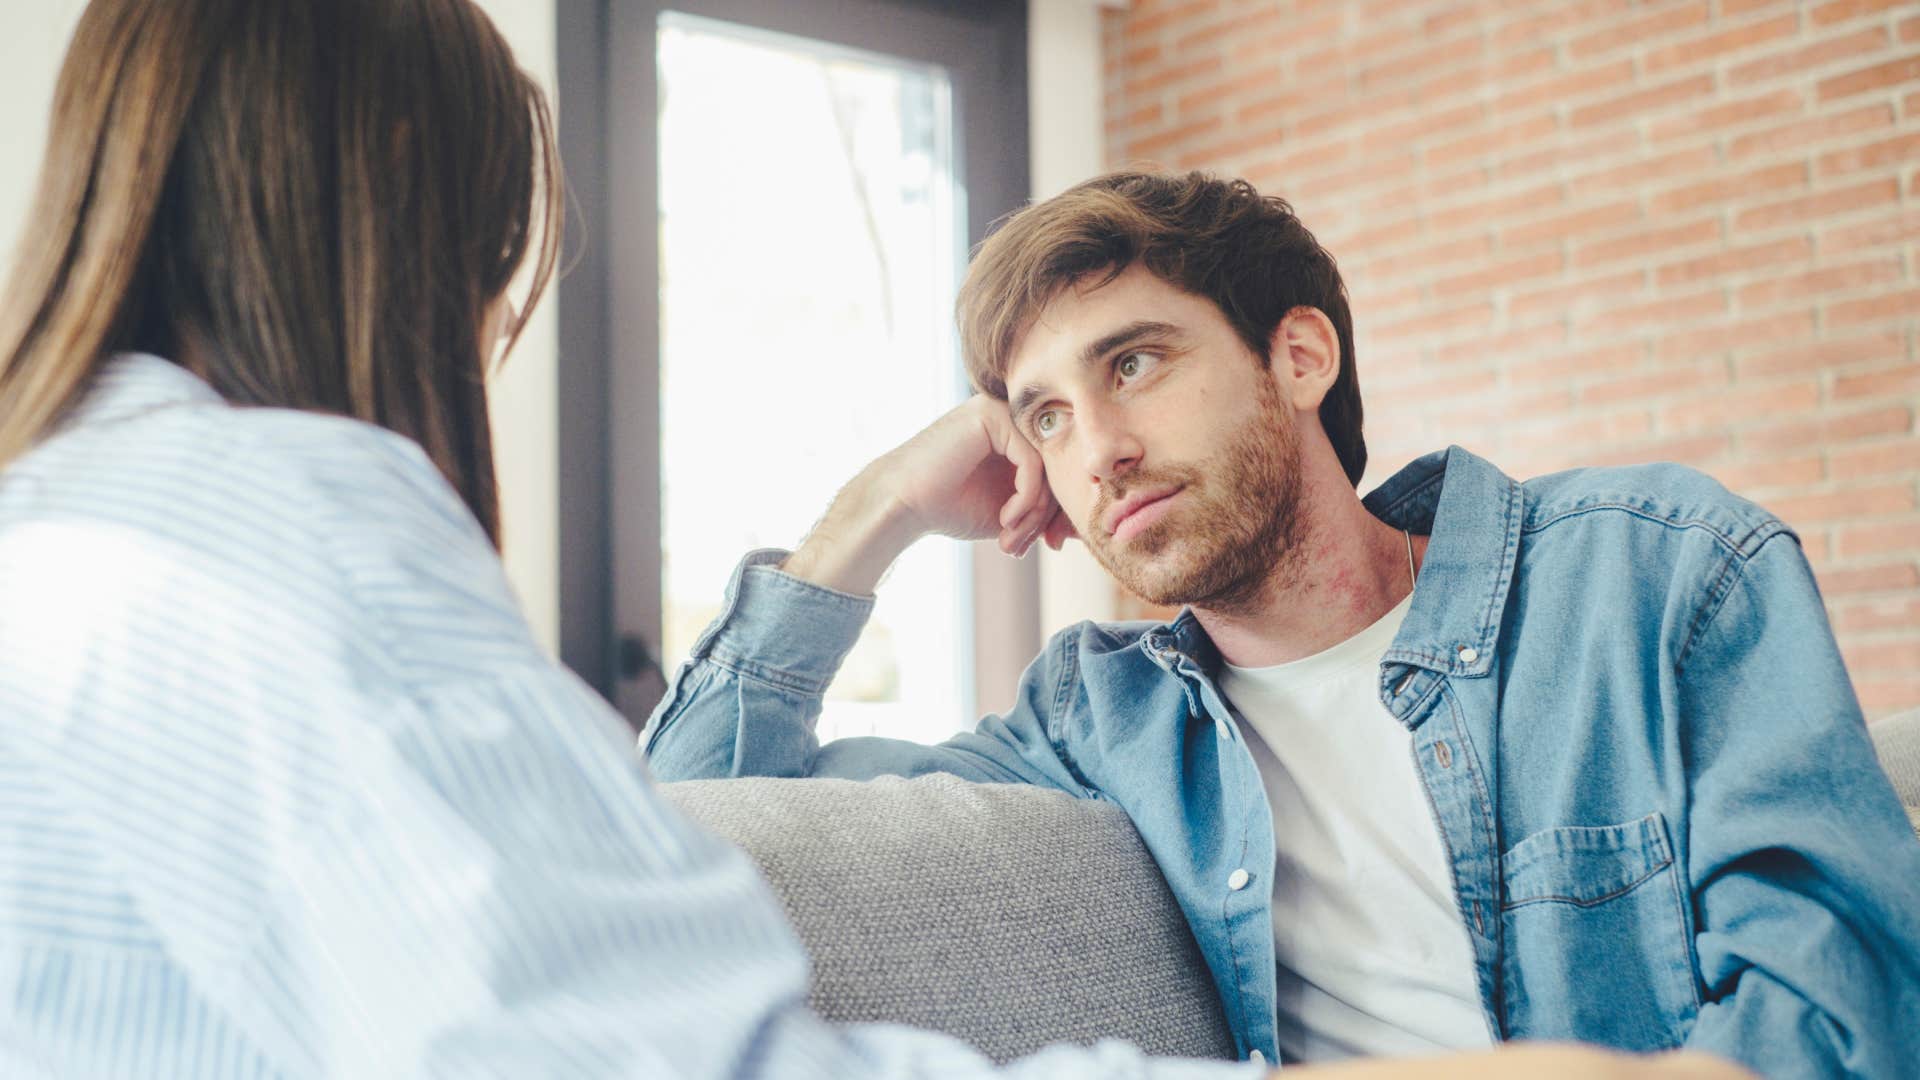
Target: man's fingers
column 1059, row 530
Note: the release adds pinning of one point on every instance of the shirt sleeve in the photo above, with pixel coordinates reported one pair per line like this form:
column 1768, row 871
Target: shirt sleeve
column 1805, row 872
column 746, row 701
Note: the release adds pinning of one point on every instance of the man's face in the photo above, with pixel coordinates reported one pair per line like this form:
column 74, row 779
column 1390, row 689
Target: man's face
column 1166, row 441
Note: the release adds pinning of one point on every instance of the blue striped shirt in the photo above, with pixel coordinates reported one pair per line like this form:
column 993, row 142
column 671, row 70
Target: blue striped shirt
column 287, row 789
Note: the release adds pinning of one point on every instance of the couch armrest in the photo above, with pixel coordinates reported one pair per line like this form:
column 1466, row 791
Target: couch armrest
column 1897, row 740
column 1006, row 915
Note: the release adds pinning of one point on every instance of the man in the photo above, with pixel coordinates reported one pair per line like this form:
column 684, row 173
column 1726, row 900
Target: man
column 1570, row 759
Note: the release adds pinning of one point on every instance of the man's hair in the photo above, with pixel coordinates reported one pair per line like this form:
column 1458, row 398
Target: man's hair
column 1217, row 239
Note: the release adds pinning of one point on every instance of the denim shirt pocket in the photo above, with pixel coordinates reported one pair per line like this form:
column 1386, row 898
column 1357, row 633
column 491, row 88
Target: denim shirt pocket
column 1596, row 937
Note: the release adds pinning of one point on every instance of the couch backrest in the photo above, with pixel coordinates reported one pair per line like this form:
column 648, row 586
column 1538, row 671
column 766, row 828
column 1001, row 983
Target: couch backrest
column 1897, row 740
column 1006, row 915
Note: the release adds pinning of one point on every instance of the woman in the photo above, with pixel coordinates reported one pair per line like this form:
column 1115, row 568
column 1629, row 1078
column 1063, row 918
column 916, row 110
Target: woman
column 286, row 787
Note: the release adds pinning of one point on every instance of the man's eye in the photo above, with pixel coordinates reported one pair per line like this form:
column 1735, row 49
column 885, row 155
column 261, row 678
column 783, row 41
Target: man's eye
column 1133, row 364
column 1046, row 421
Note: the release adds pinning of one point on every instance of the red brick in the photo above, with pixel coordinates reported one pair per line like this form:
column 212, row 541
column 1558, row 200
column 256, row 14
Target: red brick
column 1875, row 459
column 1732, row 407
column 1579, row 435
column 1161, row 78
column 1734, row 260
column 1713, row 46
column 1902, row 381
column 1892, row 305
column 1877, row 232
column 1635, row 31
column 1816, row 282
column 1508, row 134
column 1647, row 242
column 1882, row 697
column 1453, row 320
column 1421, row 260
column 1881, row 538
column 1820, row 206
column 1828, row 427
column 1656, row 314
column 1910, row 30
column 1499, row 275
column 1564, row 88
column 1208, row 37
column 1512, row 348
column 1567, row 226
column 1828, row 128
column 1870, row 155
column 1757, row 478
column 1808, row 56
column 1562, row 366
column 1648, row 99
column 1279, row 107
column 1841, row 505
column 1392, row 136
column 1650, row 385
column 1152, row 145
column 1891, row 73
column 1889, row 613
column 1692, row 346
column 1554, row 20
column 1497, row 211
column 1715, row 119
column 1880, row 578
column 1576, row 297
column 1144, row 24
column 1733, row 9
column 1901, row 657
column 1571, row 151
column 1825, row 353
column 1208, row 97
column 1695, row 450
column 1634, row 176
column 1828, row 14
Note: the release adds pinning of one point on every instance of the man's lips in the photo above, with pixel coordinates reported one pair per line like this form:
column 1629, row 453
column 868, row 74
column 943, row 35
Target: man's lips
column 1134, row 504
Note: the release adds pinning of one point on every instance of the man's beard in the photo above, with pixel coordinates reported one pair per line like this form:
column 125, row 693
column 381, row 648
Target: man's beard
column 1237, row 530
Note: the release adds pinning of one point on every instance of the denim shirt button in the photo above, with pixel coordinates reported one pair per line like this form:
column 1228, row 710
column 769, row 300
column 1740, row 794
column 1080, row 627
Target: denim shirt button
column 1468, row 654
column 1443, row 754
column 1256, row 1057
column 1238, row 880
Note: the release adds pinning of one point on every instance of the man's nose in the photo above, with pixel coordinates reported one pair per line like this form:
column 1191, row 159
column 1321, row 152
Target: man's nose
column 1111, row 449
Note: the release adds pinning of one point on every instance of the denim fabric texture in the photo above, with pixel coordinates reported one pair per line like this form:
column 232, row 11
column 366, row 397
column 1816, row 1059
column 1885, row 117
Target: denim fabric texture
column 1654, row 784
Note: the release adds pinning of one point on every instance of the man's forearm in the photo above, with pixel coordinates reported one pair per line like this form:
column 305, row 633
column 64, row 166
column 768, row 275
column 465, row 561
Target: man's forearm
column 857, row 540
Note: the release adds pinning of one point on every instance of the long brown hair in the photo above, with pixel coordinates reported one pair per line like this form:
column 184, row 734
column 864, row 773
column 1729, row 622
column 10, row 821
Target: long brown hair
column 316, row 201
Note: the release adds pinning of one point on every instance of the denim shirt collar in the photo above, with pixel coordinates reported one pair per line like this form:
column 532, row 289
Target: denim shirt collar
column 1472, row 512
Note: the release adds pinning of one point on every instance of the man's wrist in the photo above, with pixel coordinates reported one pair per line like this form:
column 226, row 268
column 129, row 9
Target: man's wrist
column 856, row 542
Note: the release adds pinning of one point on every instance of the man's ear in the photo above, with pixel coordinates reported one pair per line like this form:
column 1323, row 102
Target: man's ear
column 1304, row 357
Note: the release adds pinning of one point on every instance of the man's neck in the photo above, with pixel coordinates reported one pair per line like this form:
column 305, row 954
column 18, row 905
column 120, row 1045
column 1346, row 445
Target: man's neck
column 1348, row 569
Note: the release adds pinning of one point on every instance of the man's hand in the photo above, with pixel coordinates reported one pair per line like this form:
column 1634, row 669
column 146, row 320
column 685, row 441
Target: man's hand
column 968, row 475
column 1532, row 1061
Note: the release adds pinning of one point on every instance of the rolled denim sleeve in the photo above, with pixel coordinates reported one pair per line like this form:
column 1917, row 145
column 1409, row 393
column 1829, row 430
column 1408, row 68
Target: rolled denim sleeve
column 1805, row 871
column 747, row 699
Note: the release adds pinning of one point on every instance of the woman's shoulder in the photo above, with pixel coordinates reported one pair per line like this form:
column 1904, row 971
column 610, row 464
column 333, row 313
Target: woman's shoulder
column 282, row 502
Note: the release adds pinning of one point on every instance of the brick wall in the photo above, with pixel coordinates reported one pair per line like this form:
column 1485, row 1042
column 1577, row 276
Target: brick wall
column 1600, row 231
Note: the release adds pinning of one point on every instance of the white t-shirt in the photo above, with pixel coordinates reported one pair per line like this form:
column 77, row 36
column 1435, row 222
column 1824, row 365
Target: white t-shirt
column 1374, row 957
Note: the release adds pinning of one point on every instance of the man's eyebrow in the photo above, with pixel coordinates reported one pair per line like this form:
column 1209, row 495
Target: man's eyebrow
column 1090, row 356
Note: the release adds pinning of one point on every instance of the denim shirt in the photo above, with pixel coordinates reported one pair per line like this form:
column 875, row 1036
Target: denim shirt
column 1662, row 812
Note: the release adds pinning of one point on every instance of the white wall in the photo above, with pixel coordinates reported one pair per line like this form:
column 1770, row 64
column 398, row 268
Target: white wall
column 1065, row 90
column 33, row 41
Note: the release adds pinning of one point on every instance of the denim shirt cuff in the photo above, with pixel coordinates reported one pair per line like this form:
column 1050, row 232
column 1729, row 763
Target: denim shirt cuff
column 781, row 630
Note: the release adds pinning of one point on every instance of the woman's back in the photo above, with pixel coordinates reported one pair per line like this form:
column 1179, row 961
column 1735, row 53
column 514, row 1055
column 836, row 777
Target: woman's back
column 274, row 738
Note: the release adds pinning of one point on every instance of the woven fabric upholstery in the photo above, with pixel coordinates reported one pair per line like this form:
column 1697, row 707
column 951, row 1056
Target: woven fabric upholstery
column 1006, row 915
column 1897, row 740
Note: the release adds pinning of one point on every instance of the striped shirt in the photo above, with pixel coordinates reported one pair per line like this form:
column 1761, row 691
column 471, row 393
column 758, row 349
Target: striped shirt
column 287, row 789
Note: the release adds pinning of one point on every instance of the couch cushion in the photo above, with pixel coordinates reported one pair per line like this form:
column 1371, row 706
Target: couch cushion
column 1897, row 740
column 1006, row 915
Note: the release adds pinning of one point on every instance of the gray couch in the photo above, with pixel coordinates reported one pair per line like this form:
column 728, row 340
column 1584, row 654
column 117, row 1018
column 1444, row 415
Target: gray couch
column 1008, row 916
